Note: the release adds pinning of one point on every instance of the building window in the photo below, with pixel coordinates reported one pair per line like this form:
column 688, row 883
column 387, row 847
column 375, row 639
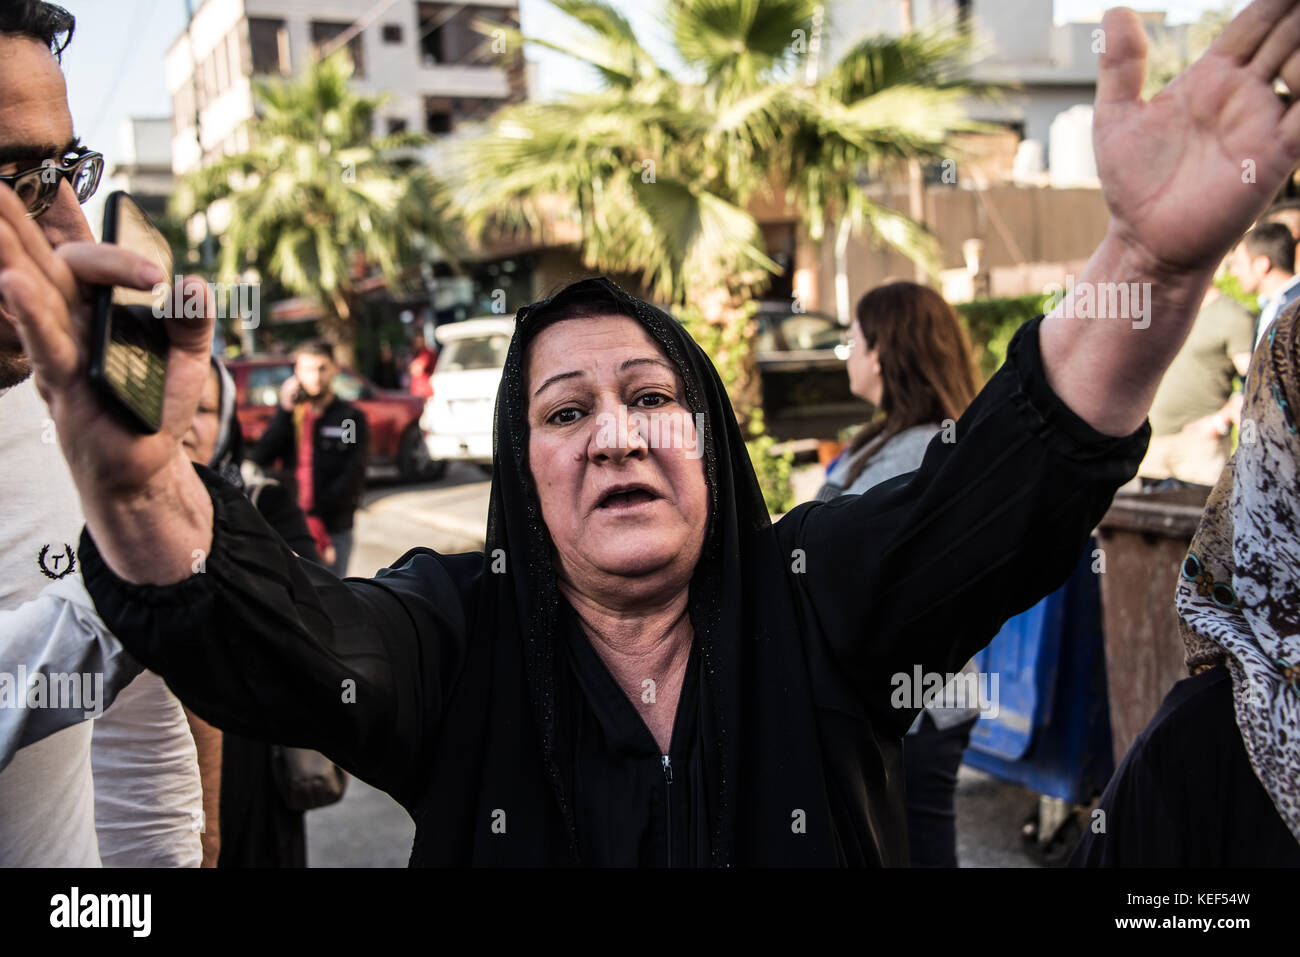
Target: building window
column 437, row 115
column 443, row 114
column 396, row 125
column 232, row 56
column 447, row 33
column 473, row 109
column 208, row 85
column 323, row 35
column 183, row 109
column 432, row 17
column 963, row 12
column 269, row 46
column 221, row 67
column 392, row 33
column 477, row 47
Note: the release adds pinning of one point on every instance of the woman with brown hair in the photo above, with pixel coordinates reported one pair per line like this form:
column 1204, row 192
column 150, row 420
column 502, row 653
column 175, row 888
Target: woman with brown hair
column 910, row 358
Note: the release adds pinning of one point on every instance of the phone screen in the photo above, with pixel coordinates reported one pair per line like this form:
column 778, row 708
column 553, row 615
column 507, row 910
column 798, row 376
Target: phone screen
column 129, row 357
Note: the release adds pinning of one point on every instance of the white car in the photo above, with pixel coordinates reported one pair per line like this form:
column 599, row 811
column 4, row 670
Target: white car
column 457, row 420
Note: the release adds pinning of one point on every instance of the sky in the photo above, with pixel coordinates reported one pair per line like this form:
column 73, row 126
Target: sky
column 114, row 66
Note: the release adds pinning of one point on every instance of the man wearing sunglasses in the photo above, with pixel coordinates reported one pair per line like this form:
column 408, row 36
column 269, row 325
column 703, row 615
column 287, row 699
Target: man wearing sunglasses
column 145, row 800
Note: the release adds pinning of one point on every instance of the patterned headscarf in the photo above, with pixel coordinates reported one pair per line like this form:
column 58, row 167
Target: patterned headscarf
column 1238, row 597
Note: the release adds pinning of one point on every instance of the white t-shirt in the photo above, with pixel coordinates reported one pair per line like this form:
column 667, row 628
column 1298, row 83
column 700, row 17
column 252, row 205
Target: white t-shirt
column 148, row 797
column 48, row 799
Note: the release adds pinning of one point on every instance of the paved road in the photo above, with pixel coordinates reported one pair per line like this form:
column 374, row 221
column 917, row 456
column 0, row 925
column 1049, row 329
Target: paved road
column 368, row 829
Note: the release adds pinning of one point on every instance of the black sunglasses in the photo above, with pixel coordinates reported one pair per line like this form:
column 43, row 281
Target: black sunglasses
column 39, row 187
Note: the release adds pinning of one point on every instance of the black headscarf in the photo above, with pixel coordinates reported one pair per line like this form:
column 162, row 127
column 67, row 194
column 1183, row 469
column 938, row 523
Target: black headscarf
column 756, row 717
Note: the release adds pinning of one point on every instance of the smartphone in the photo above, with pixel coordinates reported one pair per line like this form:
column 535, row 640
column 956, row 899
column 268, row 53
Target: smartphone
column 129, row 343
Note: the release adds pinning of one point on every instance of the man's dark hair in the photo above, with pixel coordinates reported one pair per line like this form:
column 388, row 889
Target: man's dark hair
column 47, row 22
column 1274, row 241
column 1287, row 213
column 315, row 347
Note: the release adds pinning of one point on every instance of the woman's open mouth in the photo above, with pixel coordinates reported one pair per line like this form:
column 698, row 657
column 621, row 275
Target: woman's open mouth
column 630, row 499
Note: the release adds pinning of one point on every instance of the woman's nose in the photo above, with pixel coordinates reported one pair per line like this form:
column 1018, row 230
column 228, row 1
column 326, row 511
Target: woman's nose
column 618, row 433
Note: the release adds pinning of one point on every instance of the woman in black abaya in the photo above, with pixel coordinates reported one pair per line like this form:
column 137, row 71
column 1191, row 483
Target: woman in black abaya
column 489, row 693
column 641, row 668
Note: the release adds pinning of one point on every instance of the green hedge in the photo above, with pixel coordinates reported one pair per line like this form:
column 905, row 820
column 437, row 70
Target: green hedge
column 992, row 322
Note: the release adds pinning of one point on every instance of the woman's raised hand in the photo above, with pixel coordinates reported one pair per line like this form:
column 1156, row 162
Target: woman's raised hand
column 1185, row 174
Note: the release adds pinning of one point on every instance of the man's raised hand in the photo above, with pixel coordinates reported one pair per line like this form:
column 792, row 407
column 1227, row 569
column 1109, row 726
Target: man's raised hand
column 47, row 291
column 145, row 507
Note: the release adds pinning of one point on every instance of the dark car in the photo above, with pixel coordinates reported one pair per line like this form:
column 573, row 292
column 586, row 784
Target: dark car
column 393, row 417
column 805, row 384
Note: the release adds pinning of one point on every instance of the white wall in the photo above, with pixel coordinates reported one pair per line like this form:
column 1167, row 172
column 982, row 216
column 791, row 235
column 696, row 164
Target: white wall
column 145, row 141
column 221, row 116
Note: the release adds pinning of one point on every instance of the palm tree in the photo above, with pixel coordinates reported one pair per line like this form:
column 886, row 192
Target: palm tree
column 317, row 197
column 658, row 170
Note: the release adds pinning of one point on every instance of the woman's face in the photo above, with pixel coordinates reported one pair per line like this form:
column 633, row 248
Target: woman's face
column 201, row 439
column 864, row 368
column 607, row 411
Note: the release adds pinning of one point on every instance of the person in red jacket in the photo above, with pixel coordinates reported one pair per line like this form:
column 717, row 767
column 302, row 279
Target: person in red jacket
column 423, row 359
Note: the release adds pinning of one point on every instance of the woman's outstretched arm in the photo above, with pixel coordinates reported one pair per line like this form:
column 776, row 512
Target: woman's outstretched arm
column 922, row 570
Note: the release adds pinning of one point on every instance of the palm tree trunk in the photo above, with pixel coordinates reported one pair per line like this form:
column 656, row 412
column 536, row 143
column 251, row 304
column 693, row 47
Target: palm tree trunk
column 340, row 331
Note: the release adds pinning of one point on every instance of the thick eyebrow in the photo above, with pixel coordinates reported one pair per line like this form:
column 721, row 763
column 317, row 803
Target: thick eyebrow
column 623, row 367
column 35, row 152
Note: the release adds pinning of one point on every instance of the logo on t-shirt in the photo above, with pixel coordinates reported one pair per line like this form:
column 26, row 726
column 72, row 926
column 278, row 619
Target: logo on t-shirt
column 56, row 565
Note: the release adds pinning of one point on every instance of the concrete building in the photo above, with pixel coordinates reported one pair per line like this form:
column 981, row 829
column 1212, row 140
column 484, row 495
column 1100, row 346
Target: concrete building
column 144, row 162
column 437, row 71
column 996, row 237
column 1046, row 67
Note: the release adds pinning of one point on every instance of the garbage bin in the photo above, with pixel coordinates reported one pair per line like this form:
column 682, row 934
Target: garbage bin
column 1144, row 539
column 1051, row 729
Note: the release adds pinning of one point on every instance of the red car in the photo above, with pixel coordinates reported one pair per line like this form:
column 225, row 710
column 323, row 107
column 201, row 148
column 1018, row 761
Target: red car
column 393, row 417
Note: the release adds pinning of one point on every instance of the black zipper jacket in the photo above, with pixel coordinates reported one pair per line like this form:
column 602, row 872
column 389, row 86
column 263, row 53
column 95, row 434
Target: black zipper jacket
column 342, row 447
